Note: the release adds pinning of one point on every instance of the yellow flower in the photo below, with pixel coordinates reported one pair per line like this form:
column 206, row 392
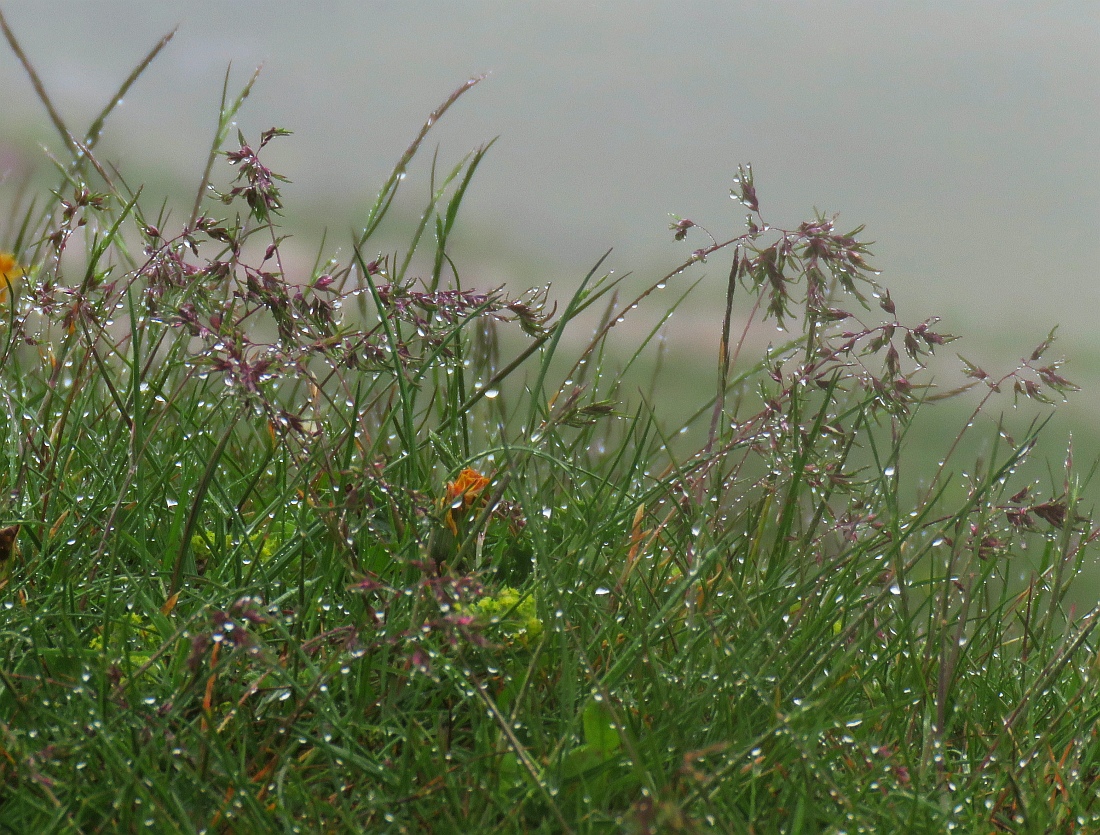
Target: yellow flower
column 134, row 640
column 460, row 496
column 10, row 272
column 517, row 615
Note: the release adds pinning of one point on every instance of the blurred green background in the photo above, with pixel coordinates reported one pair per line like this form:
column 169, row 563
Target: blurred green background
column 963, row 134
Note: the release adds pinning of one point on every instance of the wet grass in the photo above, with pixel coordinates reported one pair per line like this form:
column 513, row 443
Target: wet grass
column 369, row 547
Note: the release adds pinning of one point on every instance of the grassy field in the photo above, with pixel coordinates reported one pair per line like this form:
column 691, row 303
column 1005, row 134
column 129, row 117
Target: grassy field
column 367, row 548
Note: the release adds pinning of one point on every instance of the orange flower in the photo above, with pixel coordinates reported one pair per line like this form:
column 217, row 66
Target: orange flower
column 461, row 494
column 10, row 272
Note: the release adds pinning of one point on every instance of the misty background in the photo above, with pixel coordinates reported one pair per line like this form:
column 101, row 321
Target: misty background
column 963, row 134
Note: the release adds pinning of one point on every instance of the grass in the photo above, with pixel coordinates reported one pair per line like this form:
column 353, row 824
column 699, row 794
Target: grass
column 371, row 548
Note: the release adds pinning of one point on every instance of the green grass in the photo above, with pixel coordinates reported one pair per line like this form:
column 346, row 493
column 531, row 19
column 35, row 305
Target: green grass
column 371, row 548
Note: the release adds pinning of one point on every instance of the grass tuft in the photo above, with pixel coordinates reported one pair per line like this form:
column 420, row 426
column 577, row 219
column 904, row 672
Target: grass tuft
column 364, row 548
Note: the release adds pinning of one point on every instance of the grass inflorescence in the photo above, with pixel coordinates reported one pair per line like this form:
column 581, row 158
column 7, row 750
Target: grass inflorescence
column 370, row 547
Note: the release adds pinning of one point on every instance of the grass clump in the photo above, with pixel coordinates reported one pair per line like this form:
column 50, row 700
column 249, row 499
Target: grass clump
column 370, row 548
